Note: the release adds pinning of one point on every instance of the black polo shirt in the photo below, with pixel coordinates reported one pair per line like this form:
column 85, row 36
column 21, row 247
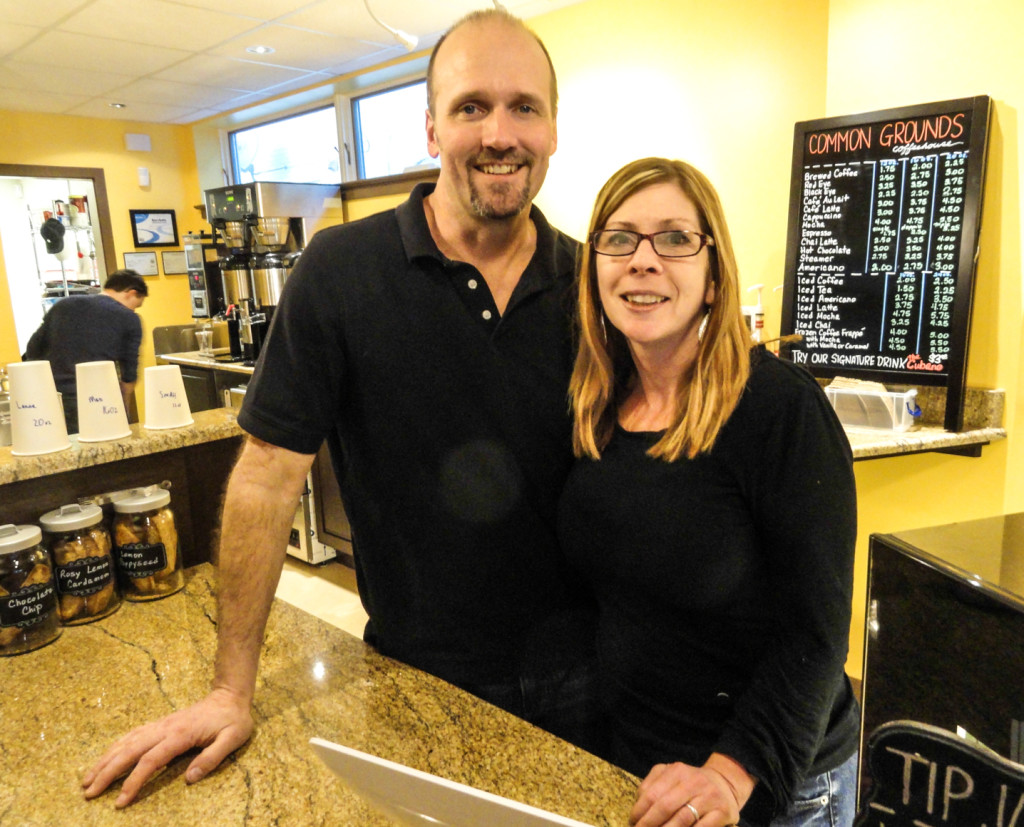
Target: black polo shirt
column 448, row 426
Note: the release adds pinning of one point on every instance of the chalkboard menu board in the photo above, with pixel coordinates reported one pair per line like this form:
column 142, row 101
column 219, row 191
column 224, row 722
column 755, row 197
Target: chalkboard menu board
column 883, row 235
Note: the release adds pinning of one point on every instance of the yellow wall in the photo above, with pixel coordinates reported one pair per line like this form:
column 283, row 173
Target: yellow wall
column 357, row 208
column 719, row 85
column 56, row 140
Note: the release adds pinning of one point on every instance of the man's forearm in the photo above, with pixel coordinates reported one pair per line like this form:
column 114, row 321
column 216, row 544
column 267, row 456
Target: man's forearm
column 127, row 393
column 258, row 513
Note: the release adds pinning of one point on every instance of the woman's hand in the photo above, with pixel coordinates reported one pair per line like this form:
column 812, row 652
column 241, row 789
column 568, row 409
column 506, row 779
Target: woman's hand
column 680, row 795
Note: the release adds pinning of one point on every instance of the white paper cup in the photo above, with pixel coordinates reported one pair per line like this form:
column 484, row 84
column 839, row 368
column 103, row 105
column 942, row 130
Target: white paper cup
column 101, row 413
column 166, row 403
column 37, row 417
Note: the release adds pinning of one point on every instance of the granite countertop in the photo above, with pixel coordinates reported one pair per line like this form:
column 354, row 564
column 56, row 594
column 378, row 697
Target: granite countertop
column 867, row 444
column 208, row 426
column 63, row 704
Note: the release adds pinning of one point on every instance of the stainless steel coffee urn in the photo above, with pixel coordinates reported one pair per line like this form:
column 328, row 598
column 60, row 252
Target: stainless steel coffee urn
column 259, row 230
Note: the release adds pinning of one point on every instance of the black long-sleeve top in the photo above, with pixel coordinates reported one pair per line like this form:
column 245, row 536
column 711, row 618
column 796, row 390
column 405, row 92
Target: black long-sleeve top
column 725, row 585
column 87, row 329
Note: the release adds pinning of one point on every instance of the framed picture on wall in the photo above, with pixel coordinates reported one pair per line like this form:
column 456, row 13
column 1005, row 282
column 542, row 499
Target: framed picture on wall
column 154, row 228
column 173, row 262
column 142, row 263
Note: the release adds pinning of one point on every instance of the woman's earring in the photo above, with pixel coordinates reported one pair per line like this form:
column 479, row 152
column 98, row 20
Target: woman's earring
column 703, row 325
column 604, row 330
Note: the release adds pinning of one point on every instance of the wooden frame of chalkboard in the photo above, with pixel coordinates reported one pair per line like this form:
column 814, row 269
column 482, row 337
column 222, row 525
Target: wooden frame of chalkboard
column 884, row 218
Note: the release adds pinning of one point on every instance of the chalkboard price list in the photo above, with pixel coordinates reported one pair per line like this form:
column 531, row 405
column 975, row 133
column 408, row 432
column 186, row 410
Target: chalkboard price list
column 876, row 270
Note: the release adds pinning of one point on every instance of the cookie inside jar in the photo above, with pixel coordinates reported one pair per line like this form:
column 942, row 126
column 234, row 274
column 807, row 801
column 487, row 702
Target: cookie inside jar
column 28, row 605
column 83, row 559
column 146, row 545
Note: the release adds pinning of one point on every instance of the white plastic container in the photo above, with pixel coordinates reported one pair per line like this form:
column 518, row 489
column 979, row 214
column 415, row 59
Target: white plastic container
column 875, row 410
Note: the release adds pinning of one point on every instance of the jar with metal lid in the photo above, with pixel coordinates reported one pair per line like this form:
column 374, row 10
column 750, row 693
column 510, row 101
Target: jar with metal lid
column 146, row 545
column 83, row 561
column 28, row 598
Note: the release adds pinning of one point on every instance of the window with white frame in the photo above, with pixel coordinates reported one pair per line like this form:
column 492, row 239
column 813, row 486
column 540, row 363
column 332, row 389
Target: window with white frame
column 381, row 133
column 388, row 131
column 301, row 149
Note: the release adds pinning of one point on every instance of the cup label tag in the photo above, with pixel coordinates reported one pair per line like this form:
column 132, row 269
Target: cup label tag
column 26, row 607
column 142, row 559
column 84, row 577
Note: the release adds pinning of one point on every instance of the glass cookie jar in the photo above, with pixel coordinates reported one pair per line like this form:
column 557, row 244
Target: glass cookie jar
column 28, row 597
column 146, row 545
column 82, row 557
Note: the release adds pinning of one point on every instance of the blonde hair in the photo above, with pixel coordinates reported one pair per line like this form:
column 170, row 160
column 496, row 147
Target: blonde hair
column 604, row 371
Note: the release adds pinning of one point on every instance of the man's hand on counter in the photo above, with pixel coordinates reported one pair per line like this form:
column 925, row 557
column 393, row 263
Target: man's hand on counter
column 219, row 724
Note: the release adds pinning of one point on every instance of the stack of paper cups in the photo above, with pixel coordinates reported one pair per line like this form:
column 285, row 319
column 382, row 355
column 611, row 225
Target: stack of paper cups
column 37, row 417
column 166, row 403
column 101, row 414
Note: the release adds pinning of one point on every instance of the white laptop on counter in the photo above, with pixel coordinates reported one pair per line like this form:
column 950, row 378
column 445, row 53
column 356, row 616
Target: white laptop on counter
column 417, row 799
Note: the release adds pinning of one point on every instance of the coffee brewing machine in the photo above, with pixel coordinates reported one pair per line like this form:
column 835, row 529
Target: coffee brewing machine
column 259, row 231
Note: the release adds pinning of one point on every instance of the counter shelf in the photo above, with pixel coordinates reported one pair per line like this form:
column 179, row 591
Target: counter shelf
column 196, row 460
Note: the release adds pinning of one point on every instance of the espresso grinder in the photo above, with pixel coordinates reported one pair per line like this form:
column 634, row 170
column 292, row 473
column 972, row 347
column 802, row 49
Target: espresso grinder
column 260, row 231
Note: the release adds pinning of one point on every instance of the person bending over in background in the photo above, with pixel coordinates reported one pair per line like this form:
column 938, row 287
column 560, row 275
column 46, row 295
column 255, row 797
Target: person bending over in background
column 431, row 346
column 91, row 329
column 713, row 510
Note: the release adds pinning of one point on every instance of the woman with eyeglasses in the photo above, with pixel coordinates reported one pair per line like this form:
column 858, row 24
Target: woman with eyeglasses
column 712, row 508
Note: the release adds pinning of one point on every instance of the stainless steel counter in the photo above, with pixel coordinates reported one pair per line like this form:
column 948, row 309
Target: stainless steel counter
column 196, row 359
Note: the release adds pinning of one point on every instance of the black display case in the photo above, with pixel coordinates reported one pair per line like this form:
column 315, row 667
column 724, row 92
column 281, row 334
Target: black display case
column 944, row 638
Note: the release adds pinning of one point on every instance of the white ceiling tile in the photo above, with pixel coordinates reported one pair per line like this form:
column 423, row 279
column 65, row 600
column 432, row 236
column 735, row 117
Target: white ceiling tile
column 45, row 77
column 13, row 37
column 75, row 51
column 261, row 9
column 193, row 116
column 32, row 101
column 169, row 93
column 157, row 23
column 311, row 79
column 425, row 18
column 297, row 48
column 151, row 112
column 374, row 59
column 211, row 70
column 345, row 19
column 38, row 14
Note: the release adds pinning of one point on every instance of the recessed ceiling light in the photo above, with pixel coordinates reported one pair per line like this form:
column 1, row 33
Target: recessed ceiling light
column 118, row 105
column 260, row 50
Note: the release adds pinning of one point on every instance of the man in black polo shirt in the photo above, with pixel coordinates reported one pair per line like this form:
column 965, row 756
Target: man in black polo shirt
column 431, row 347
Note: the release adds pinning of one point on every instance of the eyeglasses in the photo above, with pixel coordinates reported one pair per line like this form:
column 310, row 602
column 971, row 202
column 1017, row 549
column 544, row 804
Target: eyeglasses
column 667, row 243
